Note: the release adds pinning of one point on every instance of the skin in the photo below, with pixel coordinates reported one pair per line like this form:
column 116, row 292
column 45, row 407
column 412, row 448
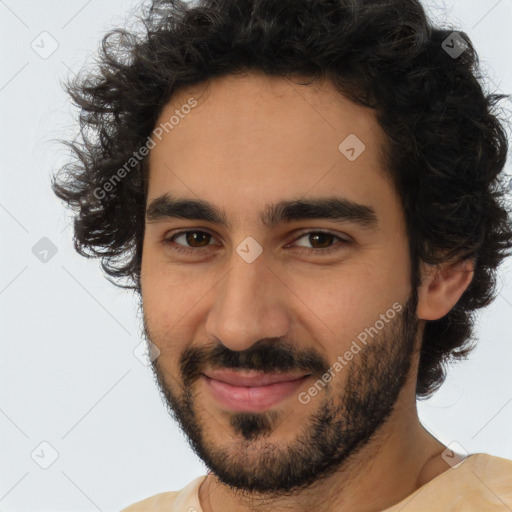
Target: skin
column 250, row 141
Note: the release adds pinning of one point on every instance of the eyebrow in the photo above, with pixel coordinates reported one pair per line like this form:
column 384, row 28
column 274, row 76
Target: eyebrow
column 334, row 208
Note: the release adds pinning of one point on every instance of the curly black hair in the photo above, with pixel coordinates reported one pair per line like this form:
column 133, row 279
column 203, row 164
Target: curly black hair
column 446, row 145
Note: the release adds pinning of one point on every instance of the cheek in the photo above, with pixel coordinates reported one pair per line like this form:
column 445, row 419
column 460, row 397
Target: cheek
column 171, row 307
column 340, row 305
column 162, row 286
column 159, row 298
column 340, row 310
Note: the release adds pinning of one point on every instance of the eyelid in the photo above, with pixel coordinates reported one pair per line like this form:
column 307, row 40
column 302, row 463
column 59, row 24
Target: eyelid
column 342, row 236
column 173, row 234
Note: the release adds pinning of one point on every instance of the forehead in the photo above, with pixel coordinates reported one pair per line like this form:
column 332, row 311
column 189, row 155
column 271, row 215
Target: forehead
column 254, row 139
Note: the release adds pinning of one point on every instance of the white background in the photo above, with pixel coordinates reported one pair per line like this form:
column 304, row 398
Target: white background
column 68, row 373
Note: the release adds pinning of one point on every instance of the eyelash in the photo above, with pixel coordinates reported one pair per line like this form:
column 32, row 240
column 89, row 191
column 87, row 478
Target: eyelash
column 179, row 248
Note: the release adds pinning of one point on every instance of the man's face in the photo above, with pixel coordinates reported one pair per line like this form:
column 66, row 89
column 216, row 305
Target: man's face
column 289, row 296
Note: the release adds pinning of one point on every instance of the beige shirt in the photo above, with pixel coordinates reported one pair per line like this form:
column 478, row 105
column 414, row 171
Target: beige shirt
column 481, row 483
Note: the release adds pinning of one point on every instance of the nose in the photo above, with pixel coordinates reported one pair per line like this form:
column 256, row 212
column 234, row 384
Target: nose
column 248, row 305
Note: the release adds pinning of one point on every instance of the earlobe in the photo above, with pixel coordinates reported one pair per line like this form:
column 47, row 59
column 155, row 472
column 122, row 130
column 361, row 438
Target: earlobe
column 441, row 288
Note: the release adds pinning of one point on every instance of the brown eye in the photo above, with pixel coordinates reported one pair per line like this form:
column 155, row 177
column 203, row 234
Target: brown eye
column 322, row 239
column 197, row 237
column 322, row 242
column 192, row 241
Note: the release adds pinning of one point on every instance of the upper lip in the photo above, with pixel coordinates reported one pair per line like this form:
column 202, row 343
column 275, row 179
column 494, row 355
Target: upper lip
column 251, row 378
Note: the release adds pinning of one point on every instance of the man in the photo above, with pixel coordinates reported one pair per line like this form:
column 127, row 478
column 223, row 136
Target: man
column 303, row 195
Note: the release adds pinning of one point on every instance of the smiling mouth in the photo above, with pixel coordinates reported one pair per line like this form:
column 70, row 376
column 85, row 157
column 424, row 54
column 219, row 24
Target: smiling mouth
column 251, row 391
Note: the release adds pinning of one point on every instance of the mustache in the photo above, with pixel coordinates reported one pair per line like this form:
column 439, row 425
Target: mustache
column 265, row 356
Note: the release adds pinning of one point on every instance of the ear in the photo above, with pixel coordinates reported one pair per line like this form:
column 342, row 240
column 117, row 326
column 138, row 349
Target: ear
column 442, row 286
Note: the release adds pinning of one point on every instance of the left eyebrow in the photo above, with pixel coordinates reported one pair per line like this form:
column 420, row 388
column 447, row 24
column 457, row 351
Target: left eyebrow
column 333, row 208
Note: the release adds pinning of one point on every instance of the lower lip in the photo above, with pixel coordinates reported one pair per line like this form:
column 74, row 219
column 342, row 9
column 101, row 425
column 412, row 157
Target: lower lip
column 252, row 399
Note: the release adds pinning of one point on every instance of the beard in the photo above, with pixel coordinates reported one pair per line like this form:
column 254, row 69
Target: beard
column 347, row 417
